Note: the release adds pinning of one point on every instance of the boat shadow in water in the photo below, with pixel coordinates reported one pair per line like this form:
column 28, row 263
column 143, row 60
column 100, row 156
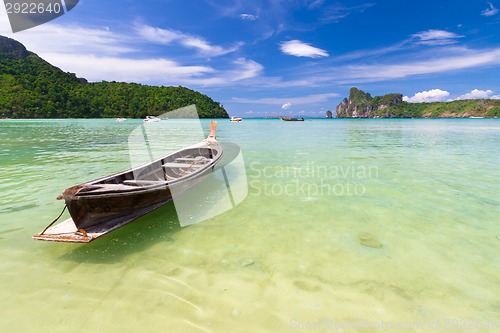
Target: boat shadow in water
column 211, row 197
column 158, row 226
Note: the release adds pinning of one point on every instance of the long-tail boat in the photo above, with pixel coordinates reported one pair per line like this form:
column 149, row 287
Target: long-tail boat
column 292, row 118
column 102, row 205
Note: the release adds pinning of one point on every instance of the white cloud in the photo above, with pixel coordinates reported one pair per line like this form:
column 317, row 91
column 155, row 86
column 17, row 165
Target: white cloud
column 156, row 71
column 248, row 17
column 101, row 54
column 98, row 68
column 286, row 106
column 490, row 11
column 476, row 94
column 436, row 37
column 315, row 4
column 247, row 69
column 54, row 38
column 336, row 11
column 434, row 95
column 464, row 59
column 301, row 49
column 438, row 95
column 303, row 100
column 169, row 36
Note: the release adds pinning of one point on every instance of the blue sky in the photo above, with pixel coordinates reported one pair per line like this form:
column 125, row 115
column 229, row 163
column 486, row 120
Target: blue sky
column 281, row 57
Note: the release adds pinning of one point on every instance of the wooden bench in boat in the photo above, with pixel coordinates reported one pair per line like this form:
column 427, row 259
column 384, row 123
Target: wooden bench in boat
column 170, row 165
column 188, row 162
column 185, row 159
column 142, row 182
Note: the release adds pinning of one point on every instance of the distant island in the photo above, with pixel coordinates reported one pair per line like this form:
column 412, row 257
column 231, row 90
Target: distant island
column 362, row 105
column 30, row 87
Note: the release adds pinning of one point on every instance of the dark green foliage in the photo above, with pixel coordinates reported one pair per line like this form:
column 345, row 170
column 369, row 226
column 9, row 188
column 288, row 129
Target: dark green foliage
column 462, row 108
column 388, row 99
column 32, row 88
column 494, row 112
column 359, row 96
column 360, row 99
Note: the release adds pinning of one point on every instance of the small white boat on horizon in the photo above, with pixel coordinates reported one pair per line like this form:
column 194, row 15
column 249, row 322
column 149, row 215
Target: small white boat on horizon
column 235, row 119
column 151, row 119
column 121, row 119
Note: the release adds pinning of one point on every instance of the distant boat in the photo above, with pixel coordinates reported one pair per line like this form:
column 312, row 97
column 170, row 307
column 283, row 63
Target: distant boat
column 292, row 118
column 102, row 205
column 121, row 119
column 151, row 119
column 476, row 117
column 236, row 119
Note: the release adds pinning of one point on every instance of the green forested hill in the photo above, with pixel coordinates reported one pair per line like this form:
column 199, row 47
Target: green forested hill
column 363, row 105
column 30, row 87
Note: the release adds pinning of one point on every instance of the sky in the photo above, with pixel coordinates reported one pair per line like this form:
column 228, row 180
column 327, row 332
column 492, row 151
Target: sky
column 280, row 57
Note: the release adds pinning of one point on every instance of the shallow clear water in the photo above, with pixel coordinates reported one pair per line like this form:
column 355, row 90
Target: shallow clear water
column 348, row 226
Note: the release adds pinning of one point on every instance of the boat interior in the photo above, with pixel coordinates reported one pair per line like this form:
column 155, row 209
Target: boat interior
column 180, row 165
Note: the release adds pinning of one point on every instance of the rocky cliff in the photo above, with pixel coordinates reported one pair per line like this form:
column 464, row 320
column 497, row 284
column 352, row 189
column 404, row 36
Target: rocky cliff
column 12, row 49
column 363, row 105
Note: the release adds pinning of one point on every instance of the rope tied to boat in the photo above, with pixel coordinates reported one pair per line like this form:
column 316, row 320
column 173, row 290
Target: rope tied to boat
column 50, row 225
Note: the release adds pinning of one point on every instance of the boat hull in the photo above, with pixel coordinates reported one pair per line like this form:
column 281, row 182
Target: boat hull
column 98, row 212
column 105, row 211
column 292, row 119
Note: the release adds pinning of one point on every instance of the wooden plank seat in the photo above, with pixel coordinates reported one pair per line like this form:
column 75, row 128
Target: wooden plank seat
column 142, row 182
column 171, row 165
column 185, row 159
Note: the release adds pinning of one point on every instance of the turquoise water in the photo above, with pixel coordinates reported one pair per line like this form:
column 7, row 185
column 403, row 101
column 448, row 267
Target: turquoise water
column 348, row 226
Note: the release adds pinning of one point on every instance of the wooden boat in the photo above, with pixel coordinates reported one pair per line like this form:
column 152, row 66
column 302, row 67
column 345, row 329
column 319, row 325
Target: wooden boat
column 292, row 119
column 105, row 204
